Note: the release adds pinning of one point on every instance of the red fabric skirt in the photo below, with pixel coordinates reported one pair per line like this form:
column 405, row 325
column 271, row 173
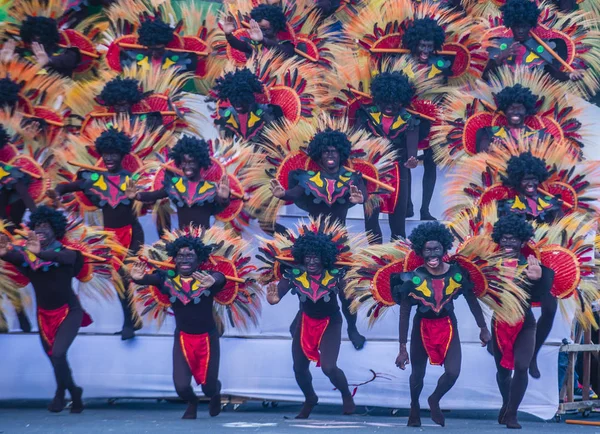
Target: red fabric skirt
column 506, row 335
column 196, row 350
column 311, row 333
column 436, row 335
column 49, row 322
column 123, row 237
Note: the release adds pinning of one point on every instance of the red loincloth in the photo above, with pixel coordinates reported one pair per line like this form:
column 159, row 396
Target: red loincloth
column 123, row 237
column 311, row 333
column 196, row 350
column 506, row 335
column 436, row 335
column 50, row 320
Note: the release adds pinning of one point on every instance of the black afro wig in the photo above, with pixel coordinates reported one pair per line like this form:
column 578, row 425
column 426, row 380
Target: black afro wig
column 201, row 249
column 430, row 231
column 315, row 244
column 512, row 224
column 392, row 87
column 4, row 137
column 195, row 148
column 329, row 137
column 9, row 92
column 515, row 12
column 43, row 28
column 155, row 31
column 120, row 90
column 45, row 214
column 523, row 165
column 273, row 14
column 113, row 140
column 516, row 94
column 424, row 29
column 238, row 87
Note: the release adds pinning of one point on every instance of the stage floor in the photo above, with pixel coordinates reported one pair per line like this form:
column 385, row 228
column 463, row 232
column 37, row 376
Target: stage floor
column 148, row 416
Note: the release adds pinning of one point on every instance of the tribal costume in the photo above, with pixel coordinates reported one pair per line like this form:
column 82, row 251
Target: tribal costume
column 26, row 170
column 399, row 109
column 563, row 274
column 442, row 43
column 516, row 103
column 543, row 36
column 320, row 178
column 140, row 35
column 312, row 264
column 268, row 90
column 69, row 52
column 62, row 249
column 424, row 276
column 175, row 285
column 533, row 177
column 112, row 157
column 152, row 96
column 192, row 181
column 294, row 31
column 295, row 160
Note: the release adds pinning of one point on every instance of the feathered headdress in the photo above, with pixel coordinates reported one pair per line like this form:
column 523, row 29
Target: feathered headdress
column 240, row 300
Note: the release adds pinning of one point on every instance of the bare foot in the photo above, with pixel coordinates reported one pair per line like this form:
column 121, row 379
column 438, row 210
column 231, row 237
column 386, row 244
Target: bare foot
column 191, row 412
column 436, row 413
column 307, row 408
column 348, row 405
column 414, row 417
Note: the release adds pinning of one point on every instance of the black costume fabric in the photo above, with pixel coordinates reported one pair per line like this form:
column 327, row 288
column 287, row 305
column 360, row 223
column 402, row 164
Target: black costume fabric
column 542, row 209
column 319, row 305
column 193, row 310
column 248, row 46
column 249, row 125
column 397, row 130
column 434, row 297
column 195, row 201
column 51, row 280
column 117, row 213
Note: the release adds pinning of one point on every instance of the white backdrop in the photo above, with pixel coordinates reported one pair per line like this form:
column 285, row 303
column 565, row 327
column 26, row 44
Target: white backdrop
column 257, row 363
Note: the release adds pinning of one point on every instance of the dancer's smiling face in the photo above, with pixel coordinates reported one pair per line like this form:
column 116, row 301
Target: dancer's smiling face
column 433, row 255
column 313, row 264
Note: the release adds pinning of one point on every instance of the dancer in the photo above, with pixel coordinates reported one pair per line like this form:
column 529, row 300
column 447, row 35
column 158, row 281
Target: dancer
column 541, row 184
column 148, row 41
column 196, row 199
column 516, row 346
column 46, row 42
column 51, row 266
column 267, row 29
column 516, row 103
column 327, row 187
column 387, row 117
column 314, row 252
column 14, row 201
column 196, row 346
column 434, row 332
column 243, row 116
column 187, row 282
column 525, row 173
column 516, row 45
column 112, row 190
column 331, row 190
